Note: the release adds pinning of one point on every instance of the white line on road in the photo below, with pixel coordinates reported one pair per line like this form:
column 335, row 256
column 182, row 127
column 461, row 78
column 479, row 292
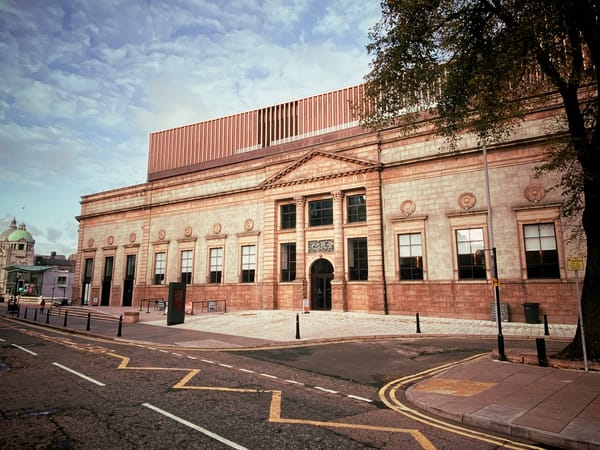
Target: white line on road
column 294, row 382
column 268, row 376
column 326, row 390
column 85, row 377
column 195, row 427
column 226, row 366
column 362, row 399
column 208, row 361
column 247, row 370
column 25, row 350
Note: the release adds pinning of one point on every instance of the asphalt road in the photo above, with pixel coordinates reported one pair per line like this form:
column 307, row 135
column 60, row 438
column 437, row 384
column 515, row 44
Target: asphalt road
column 65, row 391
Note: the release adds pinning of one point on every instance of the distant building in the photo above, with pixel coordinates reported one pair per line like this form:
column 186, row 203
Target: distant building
column 17, row 247
column 54, row 260
column 295, row 205
column 22, row 272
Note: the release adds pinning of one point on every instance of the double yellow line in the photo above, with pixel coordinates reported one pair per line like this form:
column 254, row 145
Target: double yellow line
column 387, row 394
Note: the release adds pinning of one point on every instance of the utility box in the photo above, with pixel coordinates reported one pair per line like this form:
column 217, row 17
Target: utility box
column 176, row 308
column 532, row 312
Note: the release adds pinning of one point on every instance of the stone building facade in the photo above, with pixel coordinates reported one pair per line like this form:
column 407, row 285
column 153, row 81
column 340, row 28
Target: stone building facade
column 295, row 205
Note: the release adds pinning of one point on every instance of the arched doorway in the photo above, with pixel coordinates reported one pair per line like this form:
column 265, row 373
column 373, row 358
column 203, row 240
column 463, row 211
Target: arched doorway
column 321, row 274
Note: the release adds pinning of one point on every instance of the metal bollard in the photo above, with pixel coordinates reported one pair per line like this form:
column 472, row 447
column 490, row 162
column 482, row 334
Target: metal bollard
column 25, row 315
column 120, row 325
column 48, row 316
column 541, row 352
column 418, row 324
column 35, row 315
column 87, row 327
column 546, row 329
column 66, row 315
column 297, row 326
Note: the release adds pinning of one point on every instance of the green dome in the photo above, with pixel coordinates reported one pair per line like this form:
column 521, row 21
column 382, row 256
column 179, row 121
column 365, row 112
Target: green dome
column 20, row 235
column 4, row 235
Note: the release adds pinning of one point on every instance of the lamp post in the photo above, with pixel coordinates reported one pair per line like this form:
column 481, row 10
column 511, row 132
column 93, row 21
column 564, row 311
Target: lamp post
column 495, row 283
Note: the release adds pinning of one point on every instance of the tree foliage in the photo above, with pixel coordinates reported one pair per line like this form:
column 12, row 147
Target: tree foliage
column 478, row 66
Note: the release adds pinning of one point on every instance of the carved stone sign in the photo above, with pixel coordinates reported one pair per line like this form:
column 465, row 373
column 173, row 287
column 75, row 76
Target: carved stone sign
column 325, row 246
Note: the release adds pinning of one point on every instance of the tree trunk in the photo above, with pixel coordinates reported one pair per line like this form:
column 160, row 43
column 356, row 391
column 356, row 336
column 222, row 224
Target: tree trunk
column 590, row 295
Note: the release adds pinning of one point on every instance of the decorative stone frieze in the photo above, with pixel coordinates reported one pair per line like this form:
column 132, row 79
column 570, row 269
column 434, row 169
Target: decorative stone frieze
column 323, row 246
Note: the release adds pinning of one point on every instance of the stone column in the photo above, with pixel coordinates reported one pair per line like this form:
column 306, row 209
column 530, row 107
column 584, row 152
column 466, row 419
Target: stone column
column 301, row 246
column 338, row 284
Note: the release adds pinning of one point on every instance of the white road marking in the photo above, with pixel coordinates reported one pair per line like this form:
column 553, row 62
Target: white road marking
column 25, row 350
column 207, row 361
column 362, row 399
column 326, row 390
column 195, row 427
column 226, row 366
column 74, row 372
column 247, row 371
column 268, row 376
column 294, row 382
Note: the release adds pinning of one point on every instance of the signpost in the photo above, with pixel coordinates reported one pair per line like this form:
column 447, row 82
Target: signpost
column 575, row 263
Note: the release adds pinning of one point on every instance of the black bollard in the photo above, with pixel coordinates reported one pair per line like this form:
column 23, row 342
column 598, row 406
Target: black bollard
column 35, row 315
column 48, row 316
column 546, row 329
column 541, row 352
column 66, row 315
column 120, row 325
column 87, row 327
column 25, row 315
column 297, row 326
column 418, row 324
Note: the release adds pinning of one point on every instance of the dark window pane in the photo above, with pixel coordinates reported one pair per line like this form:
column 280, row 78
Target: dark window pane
column 288, row 216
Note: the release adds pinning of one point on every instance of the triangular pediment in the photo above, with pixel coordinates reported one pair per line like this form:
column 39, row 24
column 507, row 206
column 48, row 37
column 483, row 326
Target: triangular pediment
column 318, row 165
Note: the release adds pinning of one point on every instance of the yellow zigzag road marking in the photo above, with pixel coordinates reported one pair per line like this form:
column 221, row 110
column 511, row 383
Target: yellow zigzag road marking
column 274, row 409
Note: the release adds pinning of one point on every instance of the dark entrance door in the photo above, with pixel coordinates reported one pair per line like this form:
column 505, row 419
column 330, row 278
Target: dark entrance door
column 128, row 283
column 321, row 274
column 107, row 281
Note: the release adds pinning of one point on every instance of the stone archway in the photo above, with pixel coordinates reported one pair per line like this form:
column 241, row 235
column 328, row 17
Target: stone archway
column 321, row 274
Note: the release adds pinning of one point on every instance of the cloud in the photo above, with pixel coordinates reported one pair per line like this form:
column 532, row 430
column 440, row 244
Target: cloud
column 85, row 82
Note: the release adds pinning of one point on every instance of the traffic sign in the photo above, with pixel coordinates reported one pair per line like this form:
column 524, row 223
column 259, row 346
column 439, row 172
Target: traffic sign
column 575, row 262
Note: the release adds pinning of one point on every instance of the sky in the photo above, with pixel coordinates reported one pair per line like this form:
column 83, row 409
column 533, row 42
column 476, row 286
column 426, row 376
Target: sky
column 84, row 83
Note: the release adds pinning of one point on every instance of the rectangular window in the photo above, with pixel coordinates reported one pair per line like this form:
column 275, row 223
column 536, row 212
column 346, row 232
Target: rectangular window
column 321, row 212
column 470, row 254
column 541, row 254
column 358, row 267
column 89, row 266
column 248, row 263
column 411, row 256
column 216, row 264
column 61, row 281
column 108, row 268
column 160, row 261
column 288, row 262
column 288, row 216
column 356, row 208
column 186, row 266
column 130, row 267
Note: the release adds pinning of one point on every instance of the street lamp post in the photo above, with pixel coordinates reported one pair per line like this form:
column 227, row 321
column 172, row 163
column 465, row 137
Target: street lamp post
column 495, row 282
